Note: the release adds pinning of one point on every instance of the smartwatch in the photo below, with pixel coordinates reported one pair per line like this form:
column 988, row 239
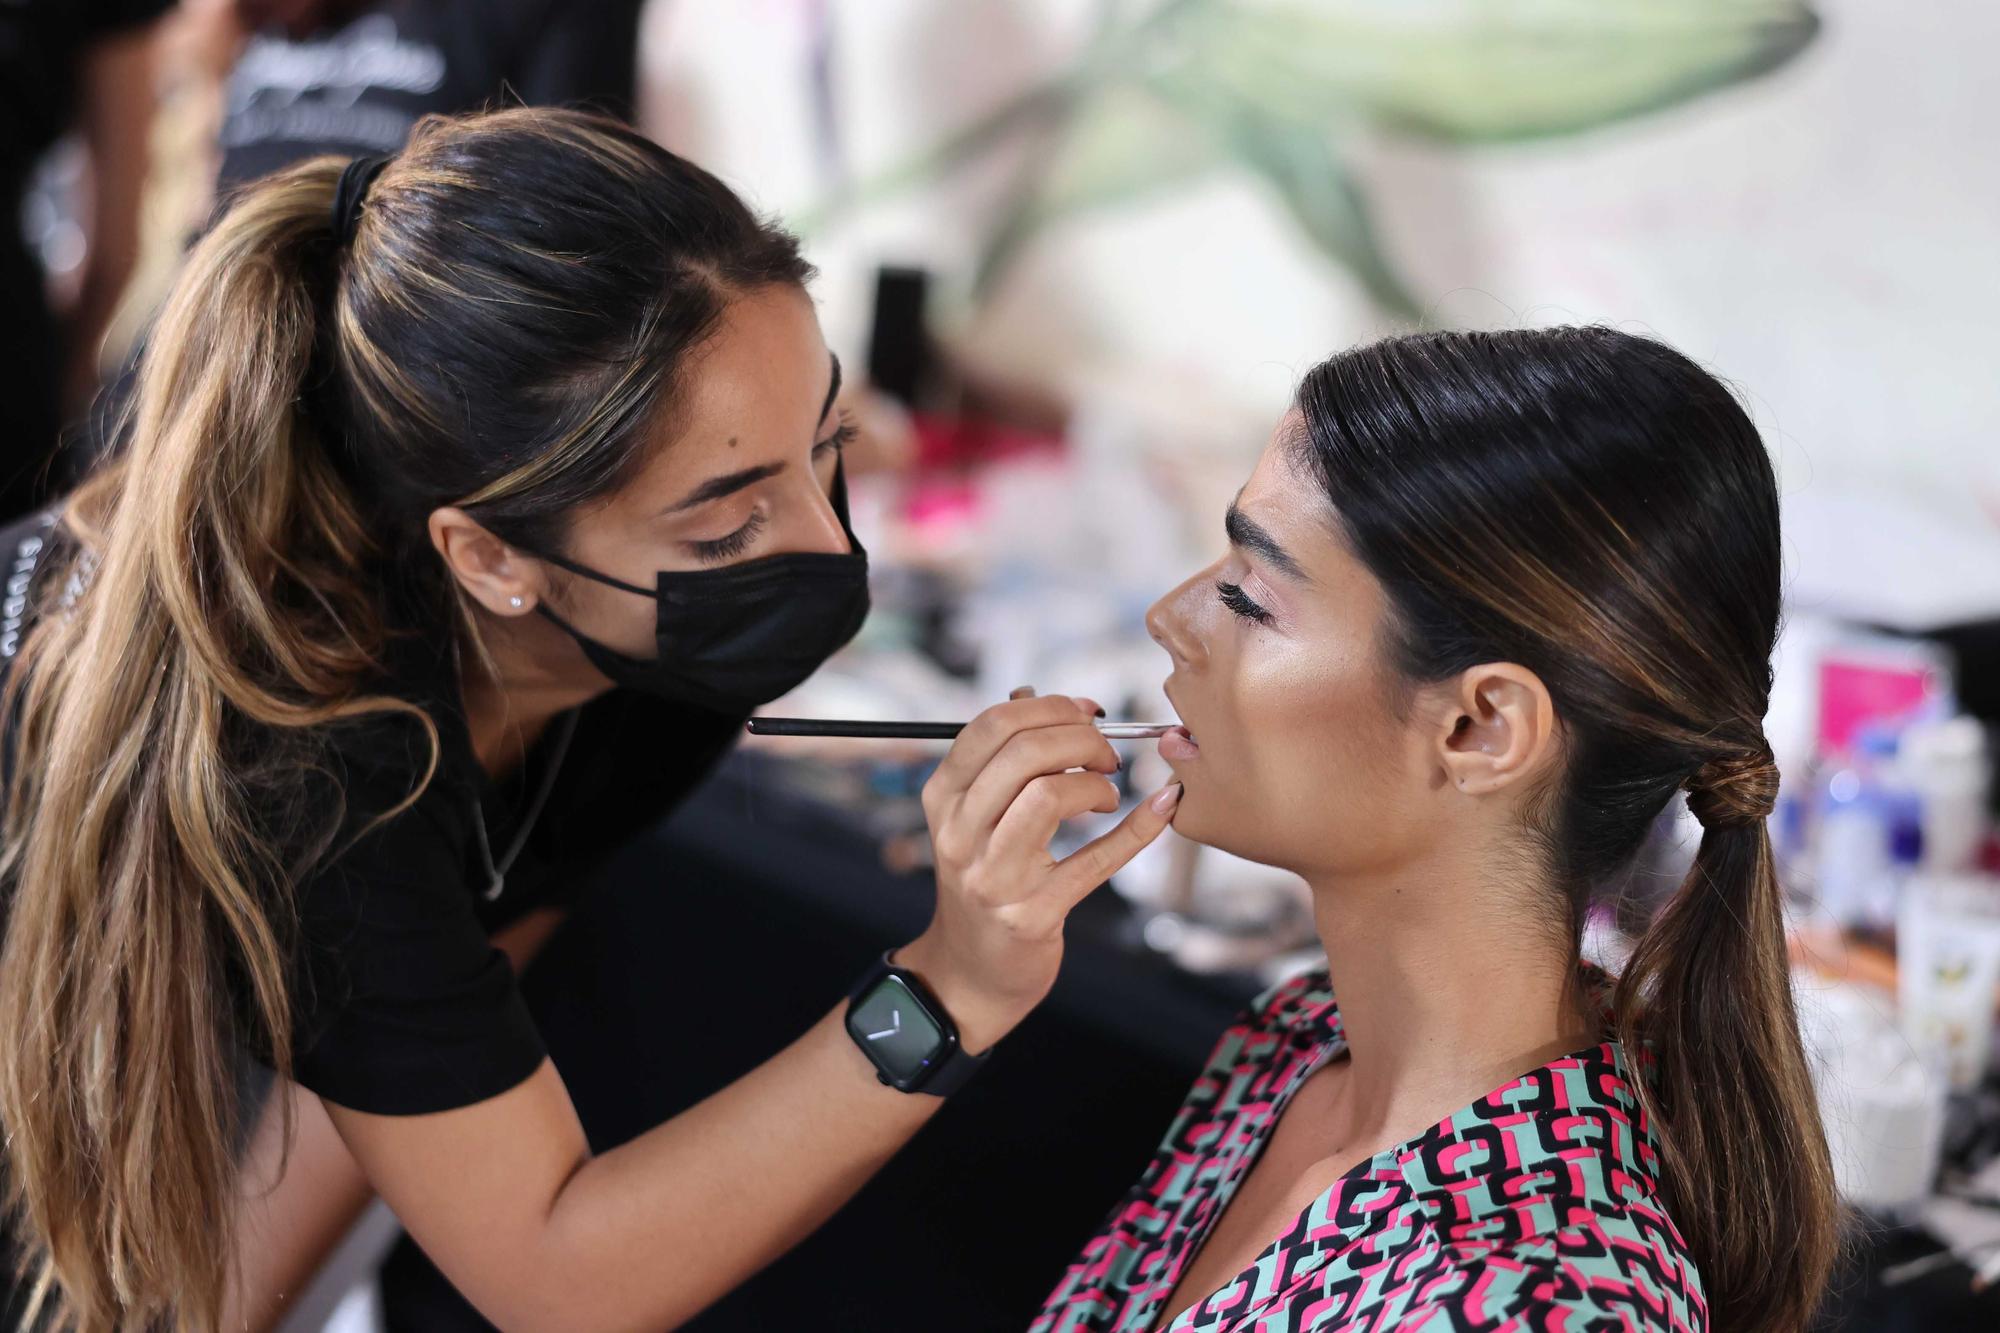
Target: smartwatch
column 903, row 1030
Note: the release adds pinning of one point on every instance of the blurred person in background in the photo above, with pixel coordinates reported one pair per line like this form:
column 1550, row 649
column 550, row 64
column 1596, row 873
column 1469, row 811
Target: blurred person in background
column 252, row 86
column 352, row 76
column 82, row 65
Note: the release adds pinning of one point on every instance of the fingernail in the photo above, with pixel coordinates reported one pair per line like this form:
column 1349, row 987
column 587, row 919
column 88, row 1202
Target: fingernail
column 1169, row 797
column 1021, row 692
column 1100, row 711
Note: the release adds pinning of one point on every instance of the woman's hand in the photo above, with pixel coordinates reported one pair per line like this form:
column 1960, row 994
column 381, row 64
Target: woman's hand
column 994, row 804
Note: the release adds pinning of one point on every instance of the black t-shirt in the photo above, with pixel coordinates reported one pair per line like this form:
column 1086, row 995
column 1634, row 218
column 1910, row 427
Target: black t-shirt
column 402, row 1004
column 356, row 83
column 359, row 81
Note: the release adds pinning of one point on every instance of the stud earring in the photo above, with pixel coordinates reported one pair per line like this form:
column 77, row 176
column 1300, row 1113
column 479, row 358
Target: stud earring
column 514, row 602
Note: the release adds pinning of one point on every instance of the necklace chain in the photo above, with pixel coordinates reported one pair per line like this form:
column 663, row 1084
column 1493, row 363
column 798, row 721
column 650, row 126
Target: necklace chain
column 496, row 875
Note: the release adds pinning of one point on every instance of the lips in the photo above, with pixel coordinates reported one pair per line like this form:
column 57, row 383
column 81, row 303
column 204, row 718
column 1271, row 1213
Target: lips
column 1178, row 744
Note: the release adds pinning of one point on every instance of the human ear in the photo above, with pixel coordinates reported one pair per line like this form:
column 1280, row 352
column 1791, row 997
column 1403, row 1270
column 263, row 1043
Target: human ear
column 493, row 572
column 1498, row 730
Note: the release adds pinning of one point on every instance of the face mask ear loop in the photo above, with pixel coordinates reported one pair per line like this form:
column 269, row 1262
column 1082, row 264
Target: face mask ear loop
column 566, row 627
column 563, row 562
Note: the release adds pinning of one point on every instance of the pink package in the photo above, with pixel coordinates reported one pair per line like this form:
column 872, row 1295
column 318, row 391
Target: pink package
column 1879, row 681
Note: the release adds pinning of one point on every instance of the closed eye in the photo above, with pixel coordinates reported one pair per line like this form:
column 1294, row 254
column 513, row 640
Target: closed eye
column 1239, row 602
column 735, row 544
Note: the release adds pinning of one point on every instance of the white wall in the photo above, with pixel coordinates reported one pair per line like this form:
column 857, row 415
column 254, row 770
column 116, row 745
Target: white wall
column 1823, row 237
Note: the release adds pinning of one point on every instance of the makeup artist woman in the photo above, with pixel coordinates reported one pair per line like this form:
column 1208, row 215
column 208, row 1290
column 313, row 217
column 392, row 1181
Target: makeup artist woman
column 473, row 499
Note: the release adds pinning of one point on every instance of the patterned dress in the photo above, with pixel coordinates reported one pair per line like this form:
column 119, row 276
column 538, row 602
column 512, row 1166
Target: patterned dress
column 1534, row 1208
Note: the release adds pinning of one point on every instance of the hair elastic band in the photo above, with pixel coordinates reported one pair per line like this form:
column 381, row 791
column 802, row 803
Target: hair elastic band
column 353, row 188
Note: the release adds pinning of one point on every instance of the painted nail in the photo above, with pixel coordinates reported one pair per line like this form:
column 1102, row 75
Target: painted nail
column 1021, row 692
column 1169, row 797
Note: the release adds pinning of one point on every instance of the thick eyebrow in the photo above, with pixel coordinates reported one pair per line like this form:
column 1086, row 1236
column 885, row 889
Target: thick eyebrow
column 1245, row 534
column 727, row 484
column 731, row 482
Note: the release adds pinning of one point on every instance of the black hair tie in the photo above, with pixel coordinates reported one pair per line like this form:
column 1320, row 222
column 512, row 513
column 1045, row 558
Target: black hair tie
column 348, row 195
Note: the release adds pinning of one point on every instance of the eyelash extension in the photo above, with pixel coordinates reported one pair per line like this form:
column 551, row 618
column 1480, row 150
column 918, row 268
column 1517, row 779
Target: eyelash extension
column 1239, row 602
column 722, row 548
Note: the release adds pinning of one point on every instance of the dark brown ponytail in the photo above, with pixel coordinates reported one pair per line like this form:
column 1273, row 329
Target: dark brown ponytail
column 1708, row 994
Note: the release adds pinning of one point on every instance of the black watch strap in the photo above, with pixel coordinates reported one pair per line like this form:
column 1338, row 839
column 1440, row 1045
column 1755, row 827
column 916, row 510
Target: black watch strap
column 954, row 1066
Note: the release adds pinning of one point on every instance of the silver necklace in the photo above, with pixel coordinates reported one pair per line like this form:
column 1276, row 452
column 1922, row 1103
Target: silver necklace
column 496, row 875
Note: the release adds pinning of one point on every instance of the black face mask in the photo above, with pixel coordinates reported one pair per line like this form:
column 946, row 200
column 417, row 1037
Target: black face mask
column 732, row 639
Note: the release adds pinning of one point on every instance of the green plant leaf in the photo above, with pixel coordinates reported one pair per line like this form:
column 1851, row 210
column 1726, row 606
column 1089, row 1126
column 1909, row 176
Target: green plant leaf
column 1121, row 144
column 1165, row 93
column 1478, row 70
column 1308, row 178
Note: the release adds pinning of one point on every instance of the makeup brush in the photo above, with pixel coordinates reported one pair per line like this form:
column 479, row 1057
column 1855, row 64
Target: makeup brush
column 925, row 731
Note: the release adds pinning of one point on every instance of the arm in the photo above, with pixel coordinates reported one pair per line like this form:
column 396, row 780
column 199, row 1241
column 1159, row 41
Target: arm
column 506, row 1198
column 117, row 112
column 294, row 1205
column 298, row 1201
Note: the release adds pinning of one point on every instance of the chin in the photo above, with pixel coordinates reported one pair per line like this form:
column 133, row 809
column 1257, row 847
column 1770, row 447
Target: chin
column 1189, row 821
column 1213, row 821
column 1201, row 818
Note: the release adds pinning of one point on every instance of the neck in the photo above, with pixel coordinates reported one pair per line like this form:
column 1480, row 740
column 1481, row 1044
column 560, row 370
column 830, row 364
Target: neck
column 1448, row 984
column 535, row 674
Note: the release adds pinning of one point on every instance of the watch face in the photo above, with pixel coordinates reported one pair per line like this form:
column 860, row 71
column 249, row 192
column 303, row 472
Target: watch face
column 895, row 1028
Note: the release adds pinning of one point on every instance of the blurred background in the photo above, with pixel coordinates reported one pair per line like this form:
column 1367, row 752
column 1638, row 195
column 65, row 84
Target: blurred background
column 1083, row 250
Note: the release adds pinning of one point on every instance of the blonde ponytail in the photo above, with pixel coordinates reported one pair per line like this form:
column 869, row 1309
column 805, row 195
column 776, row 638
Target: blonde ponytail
column 220, row 558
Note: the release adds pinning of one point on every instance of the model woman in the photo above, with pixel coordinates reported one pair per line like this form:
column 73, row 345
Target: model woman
column 1491, row 601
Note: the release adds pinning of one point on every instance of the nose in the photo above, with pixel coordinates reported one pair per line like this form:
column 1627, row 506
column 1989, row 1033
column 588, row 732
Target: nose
column 822, row 532
column 1167, row 622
